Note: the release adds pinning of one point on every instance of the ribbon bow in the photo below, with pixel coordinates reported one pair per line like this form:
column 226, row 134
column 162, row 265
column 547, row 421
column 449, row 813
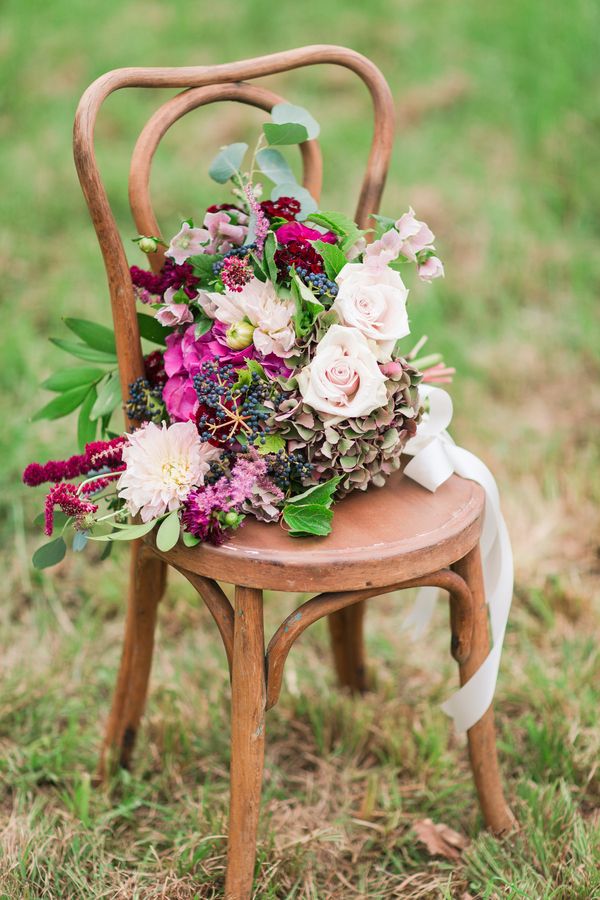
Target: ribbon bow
column 435, row 457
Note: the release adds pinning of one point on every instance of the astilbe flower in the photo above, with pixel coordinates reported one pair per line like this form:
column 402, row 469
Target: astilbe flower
column 365, row 449
column 97, row 455
column 261, row 226
column 67, row 499
column 206, row 510
column 282, row 208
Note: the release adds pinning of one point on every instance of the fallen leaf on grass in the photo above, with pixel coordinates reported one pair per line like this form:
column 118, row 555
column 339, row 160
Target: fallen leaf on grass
column 439, row 839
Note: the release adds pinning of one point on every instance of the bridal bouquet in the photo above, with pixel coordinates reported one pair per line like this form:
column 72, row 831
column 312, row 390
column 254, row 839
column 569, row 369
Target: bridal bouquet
column 283, row 380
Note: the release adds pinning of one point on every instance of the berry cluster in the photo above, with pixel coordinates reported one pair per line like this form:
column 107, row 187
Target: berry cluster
column 325, row 290
column 235, row 253
column 145, row 403
column 287, row 470
column 231, row 412
column 282, row 208
column 299, row 255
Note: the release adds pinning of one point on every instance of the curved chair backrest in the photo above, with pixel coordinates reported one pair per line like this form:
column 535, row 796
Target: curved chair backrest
column 203, row 85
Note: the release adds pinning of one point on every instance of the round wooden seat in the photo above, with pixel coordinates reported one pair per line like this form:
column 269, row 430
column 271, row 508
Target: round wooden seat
column 380, row 536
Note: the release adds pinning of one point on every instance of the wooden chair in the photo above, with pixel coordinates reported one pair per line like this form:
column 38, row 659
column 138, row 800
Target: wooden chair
column 389, row 538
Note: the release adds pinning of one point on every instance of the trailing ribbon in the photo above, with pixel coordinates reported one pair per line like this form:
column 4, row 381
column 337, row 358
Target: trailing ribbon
column 435, row 457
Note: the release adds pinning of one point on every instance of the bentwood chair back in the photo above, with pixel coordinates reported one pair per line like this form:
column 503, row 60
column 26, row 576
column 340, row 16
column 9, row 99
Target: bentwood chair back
column 385, row 539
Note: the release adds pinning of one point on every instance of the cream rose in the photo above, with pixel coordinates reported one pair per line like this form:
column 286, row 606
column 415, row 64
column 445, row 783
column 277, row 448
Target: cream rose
column 373, row 300
column 343, row 379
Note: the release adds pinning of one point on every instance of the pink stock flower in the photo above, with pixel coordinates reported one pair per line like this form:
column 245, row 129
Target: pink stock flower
column 381, row 252
column 296, row 231
column 173, row 313
column 224, row 234
column 187, row 242
column 431, row 268
column 415, row 235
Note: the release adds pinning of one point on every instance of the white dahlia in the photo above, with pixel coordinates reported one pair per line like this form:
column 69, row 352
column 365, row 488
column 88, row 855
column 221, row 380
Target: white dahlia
column 163, row 465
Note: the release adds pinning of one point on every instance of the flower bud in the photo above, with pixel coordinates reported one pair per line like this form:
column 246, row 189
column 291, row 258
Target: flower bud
column 148, row 244
column 239, row 335
column 232, row 519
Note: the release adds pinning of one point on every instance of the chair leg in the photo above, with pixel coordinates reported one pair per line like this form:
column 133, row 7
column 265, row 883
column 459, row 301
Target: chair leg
column 147, row 581
column 248, row 701
column 482, row 736
column 347, row 644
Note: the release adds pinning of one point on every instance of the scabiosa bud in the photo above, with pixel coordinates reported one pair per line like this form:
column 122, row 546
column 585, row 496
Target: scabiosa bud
column 239, row 335
column 148, row 244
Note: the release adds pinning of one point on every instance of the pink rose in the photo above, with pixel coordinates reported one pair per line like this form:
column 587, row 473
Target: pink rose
column 296, row 231
column 174, row 314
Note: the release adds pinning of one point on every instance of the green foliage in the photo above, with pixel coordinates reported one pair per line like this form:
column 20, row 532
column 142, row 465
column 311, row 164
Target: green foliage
column 290, row 133
column 67, row 379
column 307, row 307
column 283, row 113
column 292, row 189
column 168, row 532
column 274, row 165
column 83, row 351
column 49, row 554
column 108, row 396
column 62, row 405
column 96, row 336
column 333, row 258
column 152, row 330
column 87, row 427
column 227, row 162
column 310, row 513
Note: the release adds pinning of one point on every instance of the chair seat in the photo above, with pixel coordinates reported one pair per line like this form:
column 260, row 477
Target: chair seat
column 380, row 536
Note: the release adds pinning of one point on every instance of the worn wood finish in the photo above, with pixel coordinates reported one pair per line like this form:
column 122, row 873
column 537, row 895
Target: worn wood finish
column 385, row 539
column 219, row 607
column 169, row 113
column 329, row 603
column 429, row 532
column 248, row 698
column 346, row 632
column 146, row 587
column 482, row 736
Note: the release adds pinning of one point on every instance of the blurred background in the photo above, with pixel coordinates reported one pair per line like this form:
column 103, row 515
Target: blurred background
column 498, row 131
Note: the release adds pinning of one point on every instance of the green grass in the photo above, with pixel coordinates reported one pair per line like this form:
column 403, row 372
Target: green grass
column 498, row 130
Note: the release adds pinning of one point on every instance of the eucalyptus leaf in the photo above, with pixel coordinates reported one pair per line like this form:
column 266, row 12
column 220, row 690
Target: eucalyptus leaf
column 227, row 162
column 282, row 113
column 289, row 133
column 190, row 540
column 62, row 405
column 82, row 351
column 274, row 165
column 49, row 554
column 87, row 427
column 128, row 533
column 67, row 379
column 308, row 203
column 168, row 533
column 109, row 396
column 96, row 336
column 80, row 539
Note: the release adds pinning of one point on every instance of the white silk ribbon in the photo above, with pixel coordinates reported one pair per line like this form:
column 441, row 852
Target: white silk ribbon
column 435, row 457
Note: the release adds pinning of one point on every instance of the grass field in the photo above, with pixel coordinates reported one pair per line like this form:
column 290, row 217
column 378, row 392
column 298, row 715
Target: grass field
column 497, row 147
